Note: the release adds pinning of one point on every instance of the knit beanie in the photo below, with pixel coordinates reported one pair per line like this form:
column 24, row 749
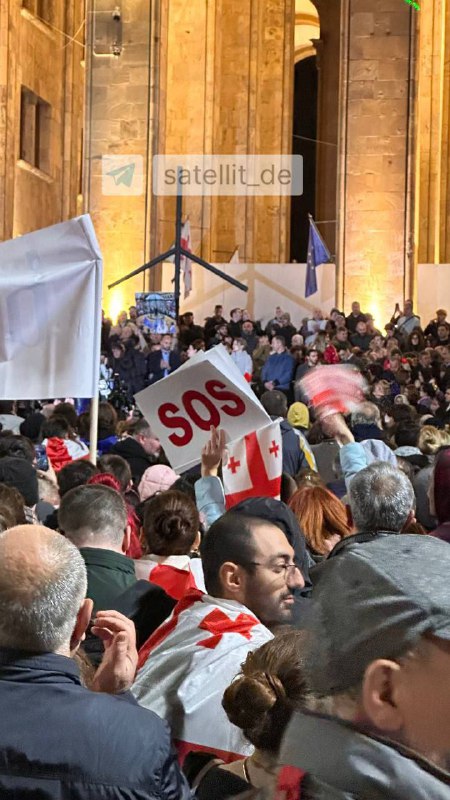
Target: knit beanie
column 155, row 479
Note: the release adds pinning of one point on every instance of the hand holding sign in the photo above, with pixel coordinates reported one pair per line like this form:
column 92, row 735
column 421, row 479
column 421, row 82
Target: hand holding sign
column 213, row 453
column 208, row 391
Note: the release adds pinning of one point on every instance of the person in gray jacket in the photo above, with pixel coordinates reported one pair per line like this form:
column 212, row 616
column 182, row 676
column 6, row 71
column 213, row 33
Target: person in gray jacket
column 377, row 724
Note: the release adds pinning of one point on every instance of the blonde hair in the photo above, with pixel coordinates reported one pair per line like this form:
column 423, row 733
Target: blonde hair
column 431, row 439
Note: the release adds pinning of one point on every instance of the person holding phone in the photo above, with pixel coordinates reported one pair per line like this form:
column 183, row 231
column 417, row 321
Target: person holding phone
column 405, row 321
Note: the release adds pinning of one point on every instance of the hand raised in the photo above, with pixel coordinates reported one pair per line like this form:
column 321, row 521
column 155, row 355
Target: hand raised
column 213, row 452
column 118, row 668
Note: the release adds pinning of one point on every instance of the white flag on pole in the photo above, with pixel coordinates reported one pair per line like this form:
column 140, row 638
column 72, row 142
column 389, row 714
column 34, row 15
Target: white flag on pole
column 186, row 264
column 50, row 320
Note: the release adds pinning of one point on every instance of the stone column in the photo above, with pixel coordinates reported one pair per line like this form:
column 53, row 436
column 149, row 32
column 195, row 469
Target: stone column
column 374, row 195
column 117, row 124
column 328, row 57
column 225, row 87
column 432, row 228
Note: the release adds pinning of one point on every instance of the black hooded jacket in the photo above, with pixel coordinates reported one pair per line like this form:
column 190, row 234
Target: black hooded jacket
column 134, row 453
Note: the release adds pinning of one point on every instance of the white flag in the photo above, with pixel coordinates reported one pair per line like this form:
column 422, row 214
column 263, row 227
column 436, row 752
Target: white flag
column 50, row 313
column 254, row 465
column 186, row 264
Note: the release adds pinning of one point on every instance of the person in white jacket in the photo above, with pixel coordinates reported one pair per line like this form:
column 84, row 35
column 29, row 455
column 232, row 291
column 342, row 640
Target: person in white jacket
column 241, row 358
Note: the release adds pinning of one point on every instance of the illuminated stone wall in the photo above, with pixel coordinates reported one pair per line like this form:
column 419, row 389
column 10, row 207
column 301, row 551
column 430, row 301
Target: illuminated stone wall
column 35, row 54
column 225, row 86
column 375, row 262
column 117, row 124
column 432, row 222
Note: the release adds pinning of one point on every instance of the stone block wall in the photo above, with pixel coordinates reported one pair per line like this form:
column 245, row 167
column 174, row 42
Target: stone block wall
column 374, row 191
column 117, row 124
column 40, row 57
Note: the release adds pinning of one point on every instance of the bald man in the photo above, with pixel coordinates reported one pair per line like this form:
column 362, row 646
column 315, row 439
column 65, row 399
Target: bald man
column 57, row 738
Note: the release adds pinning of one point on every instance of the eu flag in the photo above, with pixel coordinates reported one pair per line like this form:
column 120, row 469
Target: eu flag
column 317, row 254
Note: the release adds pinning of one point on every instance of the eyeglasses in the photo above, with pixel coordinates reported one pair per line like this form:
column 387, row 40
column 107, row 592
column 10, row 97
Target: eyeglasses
column 287, row 570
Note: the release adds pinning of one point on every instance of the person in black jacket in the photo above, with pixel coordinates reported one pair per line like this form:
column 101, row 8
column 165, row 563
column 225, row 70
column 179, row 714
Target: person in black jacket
column 58, row 738
column 140, row 448
column 130, row 365
column 163, row 362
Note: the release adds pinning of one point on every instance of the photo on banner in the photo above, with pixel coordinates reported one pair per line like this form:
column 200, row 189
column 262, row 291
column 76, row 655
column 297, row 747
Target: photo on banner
column 157, row 312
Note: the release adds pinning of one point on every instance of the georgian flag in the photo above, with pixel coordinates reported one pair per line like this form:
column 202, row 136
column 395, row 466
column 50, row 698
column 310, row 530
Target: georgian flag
column 186, row 665
column 334, row 389
column 254, row 465
column 177, row 575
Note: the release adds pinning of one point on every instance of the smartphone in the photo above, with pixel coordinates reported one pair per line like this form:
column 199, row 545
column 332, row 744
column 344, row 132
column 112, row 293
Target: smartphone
column 41, row 457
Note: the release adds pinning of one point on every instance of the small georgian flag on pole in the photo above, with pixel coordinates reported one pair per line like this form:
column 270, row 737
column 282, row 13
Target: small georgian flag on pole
column 254, row 465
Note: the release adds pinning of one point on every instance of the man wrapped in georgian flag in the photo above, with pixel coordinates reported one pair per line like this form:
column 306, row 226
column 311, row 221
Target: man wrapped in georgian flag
column 186, row 665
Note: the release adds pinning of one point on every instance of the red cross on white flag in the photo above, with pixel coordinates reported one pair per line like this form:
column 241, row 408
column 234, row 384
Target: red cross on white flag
column 254, row 465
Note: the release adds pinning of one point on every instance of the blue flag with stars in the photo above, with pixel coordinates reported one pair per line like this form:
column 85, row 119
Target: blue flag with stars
column 318, row 253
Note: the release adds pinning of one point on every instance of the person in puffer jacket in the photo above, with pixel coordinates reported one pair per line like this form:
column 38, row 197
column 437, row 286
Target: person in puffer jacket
column 59, row 739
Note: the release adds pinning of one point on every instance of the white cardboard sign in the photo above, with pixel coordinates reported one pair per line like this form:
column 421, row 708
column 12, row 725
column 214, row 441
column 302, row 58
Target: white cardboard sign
column 207, row 390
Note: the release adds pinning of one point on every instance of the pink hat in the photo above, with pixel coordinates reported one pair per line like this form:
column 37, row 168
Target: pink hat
column 155, row 479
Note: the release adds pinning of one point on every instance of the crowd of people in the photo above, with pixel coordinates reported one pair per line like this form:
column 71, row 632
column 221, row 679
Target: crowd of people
column 402, row 360
column 158, row 644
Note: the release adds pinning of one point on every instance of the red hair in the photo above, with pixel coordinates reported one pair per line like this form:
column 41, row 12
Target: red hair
column 321, row 515
column 105, row 479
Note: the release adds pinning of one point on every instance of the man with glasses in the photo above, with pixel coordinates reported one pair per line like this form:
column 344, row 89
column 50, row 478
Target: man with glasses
column 186, row 665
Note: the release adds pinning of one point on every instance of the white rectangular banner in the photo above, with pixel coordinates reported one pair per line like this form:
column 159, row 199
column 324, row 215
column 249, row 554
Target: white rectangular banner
column 50, row 313
column 207, row 390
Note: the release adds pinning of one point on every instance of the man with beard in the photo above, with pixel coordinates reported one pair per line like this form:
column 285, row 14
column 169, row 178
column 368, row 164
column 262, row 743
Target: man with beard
column 186, row 665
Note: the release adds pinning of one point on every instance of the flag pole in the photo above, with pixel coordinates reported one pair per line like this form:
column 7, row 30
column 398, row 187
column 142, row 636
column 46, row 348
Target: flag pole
column 93, row 432
column 178, row 226
column 177, row 251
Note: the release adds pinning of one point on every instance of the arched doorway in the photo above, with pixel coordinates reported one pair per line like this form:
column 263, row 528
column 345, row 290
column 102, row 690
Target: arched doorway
column 304, row 136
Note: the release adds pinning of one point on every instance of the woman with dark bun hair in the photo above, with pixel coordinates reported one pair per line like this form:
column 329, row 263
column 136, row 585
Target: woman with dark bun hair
column 170, row 537
column 260, row 701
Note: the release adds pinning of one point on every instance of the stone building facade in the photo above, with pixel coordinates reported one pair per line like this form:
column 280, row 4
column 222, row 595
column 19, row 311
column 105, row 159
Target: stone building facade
column 218, row 76
column 41, row 113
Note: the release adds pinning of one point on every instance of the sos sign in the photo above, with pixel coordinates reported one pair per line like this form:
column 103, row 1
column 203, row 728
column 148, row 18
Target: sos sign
column 200, row 396
column 200, row 411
